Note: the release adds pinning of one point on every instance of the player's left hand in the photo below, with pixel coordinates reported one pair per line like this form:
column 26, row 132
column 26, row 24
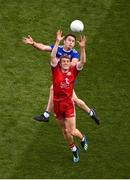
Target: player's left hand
column 82, row 42
column 28, row 40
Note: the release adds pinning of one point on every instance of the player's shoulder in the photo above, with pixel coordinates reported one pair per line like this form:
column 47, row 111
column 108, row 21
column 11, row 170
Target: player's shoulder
column 60, row 46
column 75, row 51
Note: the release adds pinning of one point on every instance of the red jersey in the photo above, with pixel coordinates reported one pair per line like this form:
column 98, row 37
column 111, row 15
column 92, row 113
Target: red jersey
column 63, row 83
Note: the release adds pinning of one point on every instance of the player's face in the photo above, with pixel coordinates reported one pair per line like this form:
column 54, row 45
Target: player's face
column 65, row 63
column 69, row 42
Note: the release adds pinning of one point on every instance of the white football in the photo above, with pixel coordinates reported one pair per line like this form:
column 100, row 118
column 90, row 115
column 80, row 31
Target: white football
column 77, row 26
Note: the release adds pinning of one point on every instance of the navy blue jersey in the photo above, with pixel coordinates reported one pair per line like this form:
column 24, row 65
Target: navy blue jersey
column 61, row 52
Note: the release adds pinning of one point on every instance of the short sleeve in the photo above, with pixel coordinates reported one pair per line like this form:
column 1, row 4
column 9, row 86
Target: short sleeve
column 75, row 54
column 51, row 46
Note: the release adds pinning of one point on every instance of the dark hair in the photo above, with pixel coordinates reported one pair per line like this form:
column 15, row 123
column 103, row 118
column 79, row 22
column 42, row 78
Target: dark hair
column 70, row 35
column 65, row 56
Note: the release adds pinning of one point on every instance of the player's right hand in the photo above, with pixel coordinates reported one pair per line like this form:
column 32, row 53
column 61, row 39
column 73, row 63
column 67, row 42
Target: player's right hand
column 59, row 36
column 28, row 40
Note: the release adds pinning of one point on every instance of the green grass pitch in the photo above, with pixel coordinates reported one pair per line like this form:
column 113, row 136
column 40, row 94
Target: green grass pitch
column 37, row 150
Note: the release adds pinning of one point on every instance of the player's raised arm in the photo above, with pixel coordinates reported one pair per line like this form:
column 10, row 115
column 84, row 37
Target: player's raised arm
column 29, row 40
column 82, row 44
column 59, row 38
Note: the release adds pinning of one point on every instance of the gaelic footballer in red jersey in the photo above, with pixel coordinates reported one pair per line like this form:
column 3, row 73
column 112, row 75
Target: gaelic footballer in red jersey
column 63, row 84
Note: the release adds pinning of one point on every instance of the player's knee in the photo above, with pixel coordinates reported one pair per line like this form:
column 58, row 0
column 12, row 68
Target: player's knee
column 66, row 131
column 73, row 132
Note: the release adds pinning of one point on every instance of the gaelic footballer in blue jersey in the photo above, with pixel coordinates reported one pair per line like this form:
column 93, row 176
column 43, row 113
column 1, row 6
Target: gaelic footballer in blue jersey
column 72, row 53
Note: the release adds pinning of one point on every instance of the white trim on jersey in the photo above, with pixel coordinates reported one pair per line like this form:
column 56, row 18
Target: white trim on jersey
column 67, row 51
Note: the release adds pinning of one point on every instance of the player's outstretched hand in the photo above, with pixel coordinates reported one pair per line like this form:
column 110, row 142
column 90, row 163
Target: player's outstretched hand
column 82, row 42
column 59, row 37
column 28, row 40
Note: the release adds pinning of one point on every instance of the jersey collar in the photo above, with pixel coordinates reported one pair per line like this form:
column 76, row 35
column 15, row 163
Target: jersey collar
column 66, row 51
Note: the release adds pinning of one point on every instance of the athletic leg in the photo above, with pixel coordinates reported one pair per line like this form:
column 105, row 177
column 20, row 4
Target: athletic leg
column 50, row 104
column 69, row 138
column 45, row 116
column 82, row 105
column 71, row 126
